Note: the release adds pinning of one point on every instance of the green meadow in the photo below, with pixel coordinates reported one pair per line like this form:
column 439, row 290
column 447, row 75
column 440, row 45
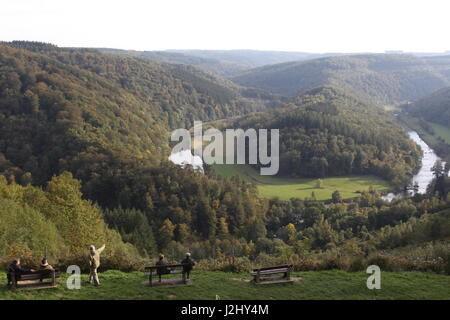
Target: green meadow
column 286, row 188
column 441, row 131
column 431, row 139
column 324, row 285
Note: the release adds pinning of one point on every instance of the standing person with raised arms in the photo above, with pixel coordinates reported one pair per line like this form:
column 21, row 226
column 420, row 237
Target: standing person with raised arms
column 94, row 263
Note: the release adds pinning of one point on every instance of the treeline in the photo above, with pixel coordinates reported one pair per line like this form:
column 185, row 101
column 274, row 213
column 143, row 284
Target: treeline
column 55, row 222
column 427, row 131
column 219, row 67
column 326, row 132
column 384, row 78
column 434, row 108
column 408, row 234
column 176, row 94
column 180, row 210
column 180, row 207
column 161, row 209
column 367, row 220
column 86, row 112
column 235, row 224
column 106, row 119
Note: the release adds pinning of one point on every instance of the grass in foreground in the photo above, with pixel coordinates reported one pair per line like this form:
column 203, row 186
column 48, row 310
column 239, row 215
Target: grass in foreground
column 206, row 285
column 286, row 188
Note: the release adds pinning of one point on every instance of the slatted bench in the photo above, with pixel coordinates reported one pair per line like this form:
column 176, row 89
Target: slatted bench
column 267, row 275
column 38, row 276
column 171, row 268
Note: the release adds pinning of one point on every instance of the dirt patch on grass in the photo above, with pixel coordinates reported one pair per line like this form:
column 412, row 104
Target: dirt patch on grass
column 249, row 280
column 241, row 279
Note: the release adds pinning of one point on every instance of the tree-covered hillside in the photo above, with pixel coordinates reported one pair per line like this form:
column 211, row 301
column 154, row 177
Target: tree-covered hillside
column 56, row 222
column 384, row 78
column 251, row 58
column 84, row 139
column 326, row 132
column 107, row 119
column 222, row 68
column 221, row 62
column 72, row 109
column 434, row 107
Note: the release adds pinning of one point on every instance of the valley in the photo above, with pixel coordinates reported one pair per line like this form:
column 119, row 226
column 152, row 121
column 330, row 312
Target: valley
column 84, row 158
column 382, row 78
column 436, row 135
column 205, row 158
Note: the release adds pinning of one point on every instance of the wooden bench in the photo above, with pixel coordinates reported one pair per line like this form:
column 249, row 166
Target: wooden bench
column 267, row 274
column 161, row 271
column 14, row 279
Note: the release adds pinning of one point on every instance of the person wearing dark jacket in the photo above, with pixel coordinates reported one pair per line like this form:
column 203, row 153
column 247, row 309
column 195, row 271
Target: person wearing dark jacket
column 17, row 268
column 188, row 264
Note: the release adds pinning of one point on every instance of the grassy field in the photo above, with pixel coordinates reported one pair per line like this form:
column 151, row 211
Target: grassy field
column 206, row 285
column 439, row 130
column 286, row 188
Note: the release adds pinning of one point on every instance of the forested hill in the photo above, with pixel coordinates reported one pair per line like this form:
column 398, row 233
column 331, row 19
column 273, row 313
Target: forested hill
column 180, row 91
column 221, row 62
column 106, row 120
column 59, row 107
column 83, row 142
column 222, row 68
column 327, row 132
column 384, row 78
column 434, row 107
column 251, row 58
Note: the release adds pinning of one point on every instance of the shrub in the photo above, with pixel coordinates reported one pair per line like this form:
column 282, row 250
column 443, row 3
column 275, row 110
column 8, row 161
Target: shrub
column 226, row 264
column 383, row 261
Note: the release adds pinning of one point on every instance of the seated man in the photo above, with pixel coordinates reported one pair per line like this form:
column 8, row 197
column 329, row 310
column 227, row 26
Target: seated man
column 162, row 270
column 17, row 269
column 188, row 264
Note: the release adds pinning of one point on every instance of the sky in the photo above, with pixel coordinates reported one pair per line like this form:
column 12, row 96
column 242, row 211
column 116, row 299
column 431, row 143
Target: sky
column 285, row 25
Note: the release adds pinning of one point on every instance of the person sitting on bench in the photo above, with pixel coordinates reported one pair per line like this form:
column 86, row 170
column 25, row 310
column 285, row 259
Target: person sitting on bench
column 17, row 268
column 162, row 270
column 189, row 264
column 44, row 265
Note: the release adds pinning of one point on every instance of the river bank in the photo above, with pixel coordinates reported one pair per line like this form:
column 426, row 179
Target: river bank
column 424, row 176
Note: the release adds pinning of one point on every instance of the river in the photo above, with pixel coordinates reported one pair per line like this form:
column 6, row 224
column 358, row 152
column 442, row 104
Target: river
column 425, row 175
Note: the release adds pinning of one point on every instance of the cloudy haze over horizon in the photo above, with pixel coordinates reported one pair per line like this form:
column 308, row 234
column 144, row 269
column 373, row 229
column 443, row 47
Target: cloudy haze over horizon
column 309, row 26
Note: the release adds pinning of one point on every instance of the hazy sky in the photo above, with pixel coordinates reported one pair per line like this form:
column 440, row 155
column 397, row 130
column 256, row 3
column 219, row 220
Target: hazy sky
column 312, row 25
